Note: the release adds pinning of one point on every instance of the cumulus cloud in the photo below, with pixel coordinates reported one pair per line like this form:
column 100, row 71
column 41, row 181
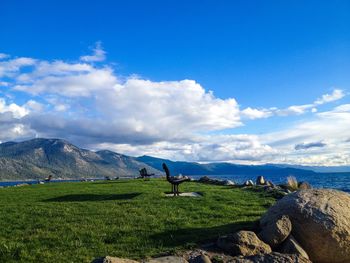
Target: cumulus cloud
column 98, row 54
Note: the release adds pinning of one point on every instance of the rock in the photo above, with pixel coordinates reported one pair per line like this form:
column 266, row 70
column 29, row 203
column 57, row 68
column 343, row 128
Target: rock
column 275, row 232
column 204, row 179
column 228, row 182
column 260, row 180
column 249, row 183
column 271, row 258
column 320, row 220
column 109, row 259
column 291, row 246
column 201, row 259
column 168, row 259
column 270, row 183
column 304, row 186
column 244, row 243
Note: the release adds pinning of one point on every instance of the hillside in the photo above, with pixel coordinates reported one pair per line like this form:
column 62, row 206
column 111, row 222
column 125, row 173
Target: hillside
column 38, row 158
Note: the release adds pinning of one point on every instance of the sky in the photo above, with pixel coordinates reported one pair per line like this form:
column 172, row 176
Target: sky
column 246, row 82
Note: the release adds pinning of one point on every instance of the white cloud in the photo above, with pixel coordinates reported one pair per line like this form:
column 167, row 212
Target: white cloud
column 98, row 54
column 337, row 94
column 10, row 67
column 251, row 113
column 3, row 56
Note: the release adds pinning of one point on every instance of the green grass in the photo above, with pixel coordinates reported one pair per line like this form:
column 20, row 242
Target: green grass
column 77, row 222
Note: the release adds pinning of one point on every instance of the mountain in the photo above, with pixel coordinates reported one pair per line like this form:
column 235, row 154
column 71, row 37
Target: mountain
column 192, row 168
column 38, row 158
column 318, row 169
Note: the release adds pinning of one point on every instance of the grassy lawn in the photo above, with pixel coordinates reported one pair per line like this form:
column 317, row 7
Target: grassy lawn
column 77, row 222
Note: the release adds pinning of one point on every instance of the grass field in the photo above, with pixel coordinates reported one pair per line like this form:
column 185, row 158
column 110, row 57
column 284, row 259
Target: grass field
column 77, row 222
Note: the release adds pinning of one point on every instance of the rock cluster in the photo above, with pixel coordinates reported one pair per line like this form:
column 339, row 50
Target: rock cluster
column 208, row 180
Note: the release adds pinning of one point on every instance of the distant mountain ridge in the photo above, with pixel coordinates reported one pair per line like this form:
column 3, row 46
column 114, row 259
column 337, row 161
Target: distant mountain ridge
column 192, row 168
column 38, row 158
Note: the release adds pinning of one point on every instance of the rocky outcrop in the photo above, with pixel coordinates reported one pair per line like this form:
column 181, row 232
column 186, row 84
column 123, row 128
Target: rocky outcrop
column 291, row 246
column 109, row 259
column 244, row 243
column 320, row 222
column 275, row 232
column 271, row 258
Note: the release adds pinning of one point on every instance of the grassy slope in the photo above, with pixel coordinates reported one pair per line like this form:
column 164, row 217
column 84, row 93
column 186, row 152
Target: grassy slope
column 76, row 222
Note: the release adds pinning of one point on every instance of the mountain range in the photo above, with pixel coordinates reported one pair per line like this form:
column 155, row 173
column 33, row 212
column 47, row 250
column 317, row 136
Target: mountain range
column 39, row 158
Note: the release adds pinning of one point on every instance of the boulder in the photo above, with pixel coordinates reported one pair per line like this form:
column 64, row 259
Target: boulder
column 271, row 258
column 275, row 232
column 260, row 180
column 270, row 184
column 249, row 183
column 109, row 259
column 201, row 259
column 320, row 220
column 244, row 243
column 291, row 246
column 168, row 259
column 304, row 186
column 228, row 183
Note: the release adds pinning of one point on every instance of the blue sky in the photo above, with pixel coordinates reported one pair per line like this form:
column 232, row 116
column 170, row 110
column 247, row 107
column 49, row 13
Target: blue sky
column 261, row 59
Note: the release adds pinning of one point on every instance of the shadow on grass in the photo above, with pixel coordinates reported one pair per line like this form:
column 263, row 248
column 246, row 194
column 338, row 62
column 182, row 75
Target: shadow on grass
column 92, row 197
column 197, row 236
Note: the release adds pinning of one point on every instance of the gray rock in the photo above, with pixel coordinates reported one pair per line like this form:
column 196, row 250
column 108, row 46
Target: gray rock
column 260, row 180
column 304, row 186
column 201, row 259
column 243, row 243
column 275, row 232
column 168, row 259
column 249, row 183
column 291, row 246
column 109, row 259
column 321, row 222
column 271, row 258
column 228, row 182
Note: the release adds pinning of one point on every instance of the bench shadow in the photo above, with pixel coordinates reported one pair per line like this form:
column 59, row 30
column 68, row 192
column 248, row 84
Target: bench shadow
column 92, row 197
column 198, row 236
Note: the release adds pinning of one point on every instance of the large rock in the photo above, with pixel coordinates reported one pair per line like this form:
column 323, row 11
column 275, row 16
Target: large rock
column 228, row 183
column 244, row 243
column 320, row 220
column 168, row 259
column 249, row 183
column 271, row 258
column 275, row 232
column 260, row 180
column 291, row 246
column 109, row 259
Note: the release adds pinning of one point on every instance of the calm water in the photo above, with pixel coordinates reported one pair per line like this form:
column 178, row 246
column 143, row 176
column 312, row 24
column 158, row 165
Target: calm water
column 340, row 181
